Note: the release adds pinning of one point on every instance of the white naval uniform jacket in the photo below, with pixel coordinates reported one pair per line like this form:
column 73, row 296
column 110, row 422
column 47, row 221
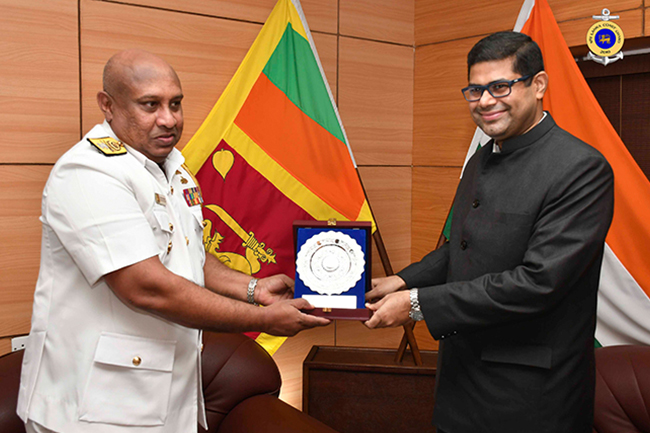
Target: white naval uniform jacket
column 92, row 363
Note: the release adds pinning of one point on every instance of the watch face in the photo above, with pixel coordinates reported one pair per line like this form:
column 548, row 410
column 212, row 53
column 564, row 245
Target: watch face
column 416, row 315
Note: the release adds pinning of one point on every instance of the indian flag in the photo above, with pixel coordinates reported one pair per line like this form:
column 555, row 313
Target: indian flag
column 271, row 151
column 623, row 297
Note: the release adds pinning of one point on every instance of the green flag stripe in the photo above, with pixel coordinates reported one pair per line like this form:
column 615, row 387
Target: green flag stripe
column 446, row 231
column 294, row 70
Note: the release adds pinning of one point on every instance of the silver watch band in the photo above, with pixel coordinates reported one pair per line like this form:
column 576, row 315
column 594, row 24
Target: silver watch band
column 250, row 292
column 416, row 312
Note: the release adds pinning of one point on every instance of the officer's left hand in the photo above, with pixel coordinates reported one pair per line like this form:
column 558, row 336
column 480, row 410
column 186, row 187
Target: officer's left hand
column 390, row 311
column 274, row 288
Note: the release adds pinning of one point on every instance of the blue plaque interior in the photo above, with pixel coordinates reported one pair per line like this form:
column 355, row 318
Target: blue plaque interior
column 360, row 235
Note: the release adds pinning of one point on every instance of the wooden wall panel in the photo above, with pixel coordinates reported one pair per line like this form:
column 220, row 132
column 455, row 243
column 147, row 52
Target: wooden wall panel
column 21, row 188
column 573, row 9
column 321, row 14
column 5, row 346
column 355, row 334
column 389, row 193
column 437, row 21
column 575, row 32
column 327, row 47
column 424, row 338
column 376, row 100
column 442, row 125
column 39, row 80
column 205, row 52
column 646, row 29
column 383, row 20
column 433, row 192
column 293, row 352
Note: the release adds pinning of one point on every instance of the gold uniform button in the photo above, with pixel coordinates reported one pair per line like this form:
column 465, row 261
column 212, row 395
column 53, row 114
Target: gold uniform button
column 172, row 189
column 201, row 347
column 137, row 361
column 171, row 227
column 205, row 223
column 169, row 247
column 187, row 240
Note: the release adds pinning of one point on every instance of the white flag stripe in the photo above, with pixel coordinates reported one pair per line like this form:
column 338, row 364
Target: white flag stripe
column 623, row 306
column 479, row 139
column 524, row 14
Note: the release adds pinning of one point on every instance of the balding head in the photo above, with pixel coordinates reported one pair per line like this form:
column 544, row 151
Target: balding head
column 132, row 67
column 141, row 100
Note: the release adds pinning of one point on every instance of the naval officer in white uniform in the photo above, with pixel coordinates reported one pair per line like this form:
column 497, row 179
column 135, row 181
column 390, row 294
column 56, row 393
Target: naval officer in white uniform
column 124, row 284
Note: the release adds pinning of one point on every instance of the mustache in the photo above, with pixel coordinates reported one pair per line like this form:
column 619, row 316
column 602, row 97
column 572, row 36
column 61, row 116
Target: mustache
column 490, row 110
column 171, row 131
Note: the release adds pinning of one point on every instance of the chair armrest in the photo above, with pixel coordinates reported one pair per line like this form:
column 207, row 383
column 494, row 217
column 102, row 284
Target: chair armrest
column 10, row 365
column 234, row 368
column 622, row 389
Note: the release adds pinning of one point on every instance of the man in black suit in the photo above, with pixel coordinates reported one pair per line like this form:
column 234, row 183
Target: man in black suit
column 512, row 295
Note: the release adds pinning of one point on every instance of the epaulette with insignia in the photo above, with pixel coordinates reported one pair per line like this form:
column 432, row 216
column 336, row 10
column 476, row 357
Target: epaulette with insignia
column 108, row 146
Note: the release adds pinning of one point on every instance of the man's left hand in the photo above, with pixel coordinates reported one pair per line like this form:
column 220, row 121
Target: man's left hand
column 390, row 311
column 273, row 289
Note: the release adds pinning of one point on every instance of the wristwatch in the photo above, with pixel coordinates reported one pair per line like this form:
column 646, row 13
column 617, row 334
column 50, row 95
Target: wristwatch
column 416, row 313
column 250, row 292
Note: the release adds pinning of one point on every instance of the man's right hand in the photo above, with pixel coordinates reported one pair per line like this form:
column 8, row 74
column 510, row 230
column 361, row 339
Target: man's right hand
column 383, row 286
column 284, row 318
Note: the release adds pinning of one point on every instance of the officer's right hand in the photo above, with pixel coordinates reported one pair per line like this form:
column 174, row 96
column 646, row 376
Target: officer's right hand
column 284, row 318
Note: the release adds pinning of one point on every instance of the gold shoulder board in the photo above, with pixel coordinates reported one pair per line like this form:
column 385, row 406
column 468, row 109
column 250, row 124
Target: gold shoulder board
column 108, row 146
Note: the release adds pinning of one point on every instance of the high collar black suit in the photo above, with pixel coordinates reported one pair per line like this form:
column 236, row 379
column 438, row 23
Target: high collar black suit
column 512, row 295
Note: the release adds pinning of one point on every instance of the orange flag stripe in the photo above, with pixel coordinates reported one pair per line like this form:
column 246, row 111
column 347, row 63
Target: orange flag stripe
column 276, row 125
column 278, row 176
column 629, row 235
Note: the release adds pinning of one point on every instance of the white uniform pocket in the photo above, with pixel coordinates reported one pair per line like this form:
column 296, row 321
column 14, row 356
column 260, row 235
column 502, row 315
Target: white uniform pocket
column 129, row 382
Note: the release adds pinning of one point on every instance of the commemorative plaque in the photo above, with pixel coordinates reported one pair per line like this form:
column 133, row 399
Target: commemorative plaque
column 333, row 267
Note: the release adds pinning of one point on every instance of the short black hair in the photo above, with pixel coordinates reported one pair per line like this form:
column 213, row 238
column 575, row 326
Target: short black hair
column 502, row 45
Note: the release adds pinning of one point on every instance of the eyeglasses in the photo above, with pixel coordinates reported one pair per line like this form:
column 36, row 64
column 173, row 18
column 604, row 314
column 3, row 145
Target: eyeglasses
column 498, row 89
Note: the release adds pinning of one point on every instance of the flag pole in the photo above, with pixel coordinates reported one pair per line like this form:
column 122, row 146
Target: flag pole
column 408, row 339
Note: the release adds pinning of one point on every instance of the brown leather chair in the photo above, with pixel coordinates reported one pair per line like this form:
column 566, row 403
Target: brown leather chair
column 240, row 384
column 622, row 389
column 9, row 382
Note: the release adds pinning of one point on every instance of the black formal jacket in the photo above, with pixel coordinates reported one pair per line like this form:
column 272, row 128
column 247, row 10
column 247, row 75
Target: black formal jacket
column 512, row 295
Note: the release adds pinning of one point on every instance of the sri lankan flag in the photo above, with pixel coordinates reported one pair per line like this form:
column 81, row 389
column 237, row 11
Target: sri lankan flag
column 271, row 151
